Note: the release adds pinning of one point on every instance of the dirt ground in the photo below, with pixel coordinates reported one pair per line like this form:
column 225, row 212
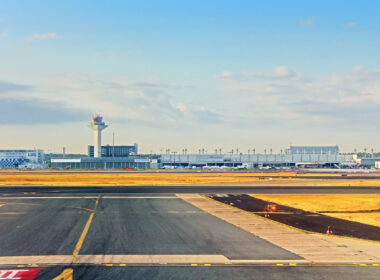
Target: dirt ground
column 301, row 219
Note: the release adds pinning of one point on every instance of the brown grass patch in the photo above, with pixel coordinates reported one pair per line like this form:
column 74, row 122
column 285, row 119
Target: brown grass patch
column 358, row 208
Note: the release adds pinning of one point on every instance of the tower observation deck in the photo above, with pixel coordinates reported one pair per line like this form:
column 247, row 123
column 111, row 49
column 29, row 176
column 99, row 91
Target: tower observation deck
column 97, row 125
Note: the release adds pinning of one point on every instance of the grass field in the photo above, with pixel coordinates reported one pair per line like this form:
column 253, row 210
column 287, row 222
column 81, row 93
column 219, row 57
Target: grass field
column 125, row 178
column 94, row 178
column 359, row 208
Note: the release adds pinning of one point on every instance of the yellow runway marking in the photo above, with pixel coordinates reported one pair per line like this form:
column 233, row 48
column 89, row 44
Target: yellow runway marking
column 84, row 233
column 63, row 262
column 86, row 209
column 12, row 213
column 67, row 274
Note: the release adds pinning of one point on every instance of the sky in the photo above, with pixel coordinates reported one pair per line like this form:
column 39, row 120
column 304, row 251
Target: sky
column 190, row 74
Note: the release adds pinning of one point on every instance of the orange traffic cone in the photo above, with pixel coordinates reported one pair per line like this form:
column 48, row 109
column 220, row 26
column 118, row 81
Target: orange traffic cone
column 329, row 230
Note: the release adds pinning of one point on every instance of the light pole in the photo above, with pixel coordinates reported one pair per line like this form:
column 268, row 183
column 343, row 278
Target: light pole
column 266, row 157
column 174, row 158
column 113, row 150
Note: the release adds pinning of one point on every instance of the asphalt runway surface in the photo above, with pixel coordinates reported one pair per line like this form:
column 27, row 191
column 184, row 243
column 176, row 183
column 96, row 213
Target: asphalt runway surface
column 80, row 228
column 119, row 190
column 222, row 273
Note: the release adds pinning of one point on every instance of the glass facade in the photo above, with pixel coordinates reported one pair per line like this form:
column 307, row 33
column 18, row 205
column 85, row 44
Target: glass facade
column 115, row 151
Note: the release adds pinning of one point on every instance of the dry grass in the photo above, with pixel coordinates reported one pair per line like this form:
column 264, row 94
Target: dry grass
column 348, row 183
column 338, row 203
column 93, row 178
column 162, row 178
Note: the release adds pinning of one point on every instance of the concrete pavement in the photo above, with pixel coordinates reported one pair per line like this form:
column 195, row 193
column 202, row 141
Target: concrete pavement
column 313, row 247
column 111, row 237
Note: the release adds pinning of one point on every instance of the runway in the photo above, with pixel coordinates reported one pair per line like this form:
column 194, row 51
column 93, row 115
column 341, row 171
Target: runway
column 208, row 189
column 140, row 236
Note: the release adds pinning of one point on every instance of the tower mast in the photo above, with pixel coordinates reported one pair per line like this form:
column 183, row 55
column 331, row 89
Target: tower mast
column 97, row 126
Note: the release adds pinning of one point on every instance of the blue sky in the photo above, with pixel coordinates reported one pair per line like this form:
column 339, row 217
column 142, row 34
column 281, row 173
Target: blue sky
column 190, row 74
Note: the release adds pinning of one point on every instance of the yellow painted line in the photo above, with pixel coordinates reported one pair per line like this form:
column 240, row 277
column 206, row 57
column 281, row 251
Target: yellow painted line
column 84, row 233
column 67, row 274
column 193, row 265
column 86, row 209
column 12, row 213
column 123, row 264
column 292, row 264
column 207, row 264
column 376, row 264
column 362, row 264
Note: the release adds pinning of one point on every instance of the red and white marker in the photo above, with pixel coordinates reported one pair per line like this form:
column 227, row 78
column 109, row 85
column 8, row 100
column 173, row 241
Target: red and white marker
column 329, row 230
column 19, row 274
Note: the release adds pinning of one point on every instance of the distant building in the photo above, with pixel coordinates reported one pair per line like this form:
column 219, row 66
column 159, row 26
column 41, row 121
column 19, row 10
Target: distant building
column 295, row 156
column 114, row 151
column 137, row 162
column 369, row 162
column 312, row 150
column 21, row 158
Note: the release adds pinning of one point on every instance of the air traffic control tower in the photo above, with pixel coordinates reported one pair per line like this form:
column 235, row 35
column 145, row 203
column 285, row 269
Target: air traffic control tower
column 97, row 126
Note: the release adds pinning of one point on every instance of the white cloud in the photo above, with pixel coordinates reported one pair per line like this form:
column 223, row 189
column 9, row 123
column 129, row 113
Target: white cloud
column 117, row 55
column 280, row 72
column 346, row 97
column 118, row 99
column 4, row 33
column 307, row 21
column 351, row 24
column 181, row 107
column 42, row 36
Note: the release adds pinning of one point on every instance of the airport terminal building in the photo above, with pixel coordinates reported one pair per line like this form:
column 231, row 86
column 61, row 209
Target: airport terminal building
column 114, row 151
column 104, row 163
column 295, row 156
column 12, row 159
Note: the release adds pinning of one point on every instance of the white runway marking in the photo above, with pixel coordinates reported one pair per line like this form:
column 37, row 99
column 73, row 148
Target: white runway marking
column 135, row 259
column 151, row 197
